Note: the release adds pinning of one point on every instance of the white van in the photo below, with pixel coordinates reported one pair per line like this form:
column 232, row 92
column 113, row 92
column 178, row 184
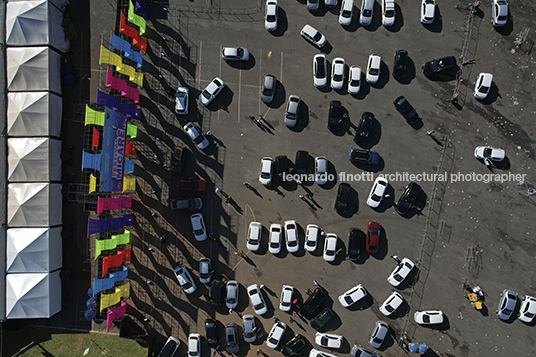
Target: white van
column 367, row 11
column 347, row 10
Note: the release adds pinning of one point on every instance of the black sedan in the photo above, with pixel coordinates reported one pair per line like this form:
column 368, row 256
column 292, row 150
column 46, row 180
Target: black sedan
column 343, row 197
column 406, row 109
column 294, row 346
column 335, row 115
column 363, row 128
column 211, row 330
column 356, row 239
column 437, row 67
column 408, row 198
column 400, row 65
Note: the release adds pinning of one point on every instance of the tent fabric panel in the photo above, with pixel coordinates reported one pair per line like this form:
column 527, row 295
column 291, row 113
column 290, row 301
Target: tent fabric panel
column 33, row 69
column 34, row 160
column 33, row 250
column 31, row 114
column 34, row 205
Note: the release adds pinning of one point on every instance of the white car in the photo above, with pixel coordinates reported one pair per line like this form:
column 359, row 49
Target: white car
column 328, row 340
column 211, row 91
column 285, row 303
column 320, row 71
column 373, row 68
column 321, row 170
column 312, row 35
column 499, row 13
column 353, row 295
column 185, row 279
column 276, row 334
column 527, row 309
column 401, row 272
column 194, row 345
column 337, row 73
column 291, row 236
column 265, row 174
column 317, row 353
column 293, row 111
column 367, row 12
column 330, row 247
column 250, row 331
column 311, row 237
column 313, row 5
column 347, row 10
column 254, row 236
column 489, row 154
column 427, row 11
column 274, row 245
column 196, row 135
column 270, row 19
column 257, row 301
column 431, row 317
column 377, row 192
column 483, row 85
column 205, row 271
column 231, row 297
column 392, row 303
column 354, row 80
column 388, row 12
column 360, row 351
column 235, row 54
column 198, row 226
column 181, row 100
column 378, row 334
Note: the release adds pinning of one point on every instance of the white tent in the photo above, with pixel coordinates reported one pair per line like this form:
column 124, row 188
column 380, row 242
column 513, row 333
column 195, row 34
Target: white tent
column 60, row 4
column 33, row 160
column 31, row 296
column 33, row 69
column 34, row 205
column 34, row 23
column 33, row 250
column 34, row 114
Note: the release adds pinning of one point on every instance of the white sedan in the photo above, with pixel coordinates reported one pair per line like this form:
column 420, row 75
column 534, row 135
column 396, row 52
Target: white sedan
column 253, row 240
column 353, row 295
column 377, row 192
column 401, row 272
column 255, row 296
column 431, row 317
column 285, row 302
column 317, row 353
column 483, row 85
column 320, row 71
column 527, row 311
column 427, row 11
column 489, row 154
column 185, row 279
column 274, row 243
column 270, row 19
column 198, row 226
column 499, row 13
column 330, row 247
column 266, row 170
column 291, row 235
column 378, row 334
column 354, row 80
column 311, row 237
column 388, row 12
column 181, row 101
column 373, row 68
column 196, row 135
column 392, row 303
column 235, row 54
column 337, row 73
column 211, row 91
column 276, row 334
column 328, row 340
column 321, row 170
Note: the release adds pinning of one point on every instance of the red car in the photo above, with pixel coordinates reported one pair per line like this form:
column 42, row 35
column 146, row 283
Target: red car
column 373, row 237
column 191, row 184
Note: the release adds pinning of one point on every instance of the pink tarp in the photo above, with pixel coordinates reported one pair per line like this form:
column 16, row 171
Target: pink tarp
column 115, row 260
column 115, row 313
column 121, row 85
column 113, row 203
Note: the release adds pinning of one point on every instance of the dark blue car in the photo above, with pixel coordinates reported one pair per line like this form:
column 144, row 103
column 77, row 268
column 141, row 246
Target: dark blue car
column 363, row 156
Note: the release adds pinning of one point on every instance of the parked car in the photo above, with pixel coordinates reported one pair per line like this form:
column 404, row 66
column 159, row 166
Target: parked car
column 235, row 54
column 232, row 294
column 334, row 115
column 499, row 13
column 354, row 80
column 311, row 237
column 322, row 318
column 170, row 347
column 356, row 239
column 344, row 193
column 377, row 192
column 404, row 108
column 281, row 168
column 312, row 35
column 285, row 303
column 294, row 346
column 408, row 198
column 327, row 340
column 337, row 73
column 330, row 247
column 427, row 11
column 181, row 100
column 254, row 236
column 248, row 325
column 205, row 270
column 177, row 162
column 291, row 236
column 274, row 245
column 313, row 304
column 211, row 91
column 231, row 338
column 430, row 317
column 186, row 203
column 489, row 154
column 217, row 294
column 293, row 111
column 321, row 170
column 363, row 128
column 268, row 88
column 373, row 237
column 435, row 68
column 359, row 351
column 300, row 164
column 320, row 71
column 191, row 184
column 527, row 311
column 276, row 334
column 270, row 18
column 353, row 295
column 257, row 300
column 367, row 12
column 373, row 68
column 185, row 279
column 388, row 12
column 198, row 227
column 317, row 353
column 196, row 135
column 266, row 170
column 392, row 303
column 313, row 5
column 330, row 3
column 194, row 345
column 400, row 64
column 507, row 305
column 347, row 10
column 211, row 332
column 363, row 156
column 378, row 334
column 401, row 272
column 483, row 85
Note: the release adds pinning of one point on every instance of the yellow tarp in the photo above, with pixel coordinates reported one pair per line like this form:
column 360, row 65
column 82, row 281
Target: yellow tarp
column 107, row 56
column 114, row 298
column 129, row 184
column 92, row 183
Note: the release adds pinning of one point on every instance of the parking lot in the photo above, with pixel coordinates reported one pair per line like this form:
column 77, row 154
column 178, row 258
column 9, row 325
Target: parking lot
column 467, row 230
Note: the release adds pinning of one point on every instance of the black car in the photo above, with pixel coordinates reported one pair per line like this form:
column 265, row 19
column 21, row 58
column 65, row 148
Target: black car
column 294, row 346
column 217, row 294
column 363, row 128
column 435, row 68
column 177, row 163
column 301, row 162
column 334, row 116
column 211, row 332
column 406, row 109
column 356, row 237
column 407, row 200
column 281, row 167
column 170, row 348
column 401, row 63
column 313, row 303
column 321, row 319
column 363, row 156
column 343, row 197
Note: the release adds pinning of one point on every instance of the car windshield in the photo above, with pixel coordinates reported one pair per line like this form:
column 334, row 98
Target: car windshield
column 529, row 315
column 254, row 242
column 507, row 311
column 317, row 36
column 377, row 340
column 389, row 308
column 284, row 303
column 487, row 152
column 346, row 13
column 198, row 232
column 355, row 82
column 267, row 91
column 270, row 18
column 484, row 89
column 206, row 94
column 258, row 306
column 186, row 285
column 426, row 318
column 199, row 139
column 310, row 243
column 367, row 13
column 324, row 341
column 292, row 243
column 231, row 300
column 374, row 232
column 348, row 299
column 390, row 13
column 181, row 95
column 239, row 53
column 274, row 244
column 320, row 73
column 337, row 77
column 265, row 175
column 376, row 198
column 374, row 71
column 502, row 18
column 398, row 277
column 273, row 341
column 249, row 334
column 330, row 252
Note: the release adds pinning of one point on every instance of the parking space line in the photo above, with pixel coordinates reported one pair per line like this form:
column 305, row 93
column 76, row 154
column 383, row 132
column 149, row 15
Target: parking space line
column 199, row 66
column 219, row 75
column 239, row 92
column 281, row 74
column 260, row 79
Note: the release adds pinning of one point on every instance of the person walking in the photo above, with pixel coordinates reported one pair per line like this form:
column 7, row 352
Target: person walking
column 261, row 287
column 302, row 197
column 209, row 133
column 315, row 282
column 395, row 257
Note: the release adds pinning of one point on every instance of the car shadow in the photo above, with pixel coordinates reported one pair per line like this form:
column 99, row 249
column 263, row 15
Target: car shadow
column 319, row 251
column 354, row 24
column 225, row 97
column 333, row 324
column 503, row 165
column 279, row 97
column 375, row 134
column 389, row 340
column 507, row 28
column 410, row 73
column 384, row 76
column 437, row 25
column 362, row 304
column 303, row 118
column 331, row 183
column 399, row 20
column 282, row 23
column 369, row 167
column 492, row 95
column 245, row 65
column 365, row 87
column 327, row 48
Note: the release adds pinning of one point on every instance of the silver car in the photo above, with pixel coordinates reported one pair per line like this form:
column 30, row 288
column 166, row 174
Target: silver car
column 313, row 5
column 235, row 54
column 321, row 170
column 196, row 135
column 205, row 272
column 270, row 19
column 211, row 91
column 312, row 35
column 231, row 299
column 293, row 110
column 378, row 334
column 248, row 323
column 268, row 89
column 181, row 101
column 507, row 305
column 185, row 279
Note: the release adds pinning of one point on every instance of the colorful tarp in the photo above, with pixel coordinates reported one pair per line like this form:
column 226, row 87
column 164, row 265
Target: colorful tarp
column 108, row 57
column 114, row 103
column 94, row 117
column 113, row 151
column 91, row 161
column 108, row 283
column 117, row 43
column 131, row 32
column 114, row 313
column 129, row 184
column 113, row 203
column 100, row 226
column 112, row 243
column 115, row 260
column 136, row 19
column 121, row 85
column 141, row 9
column 112, row 299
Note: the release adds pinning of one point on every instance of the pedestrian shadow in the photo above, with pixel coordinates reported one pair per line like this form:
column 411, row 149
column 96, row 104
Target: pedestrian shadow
column 254, row 190
column 269, row 291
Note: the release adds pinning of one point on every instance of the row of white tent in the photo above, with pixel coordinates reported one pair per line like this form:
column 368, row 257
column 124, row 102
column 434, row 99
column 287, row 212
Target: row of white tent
column 34, row 36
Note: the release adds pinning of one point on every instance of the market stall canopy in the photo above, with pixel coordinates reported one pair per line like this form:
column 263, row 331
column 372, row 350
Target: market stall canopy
column 33, row 295
column 34, row 250
column 60, row 4
column 34, row 205
column 34, row 160
column 34, row 114
column 33, row 69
